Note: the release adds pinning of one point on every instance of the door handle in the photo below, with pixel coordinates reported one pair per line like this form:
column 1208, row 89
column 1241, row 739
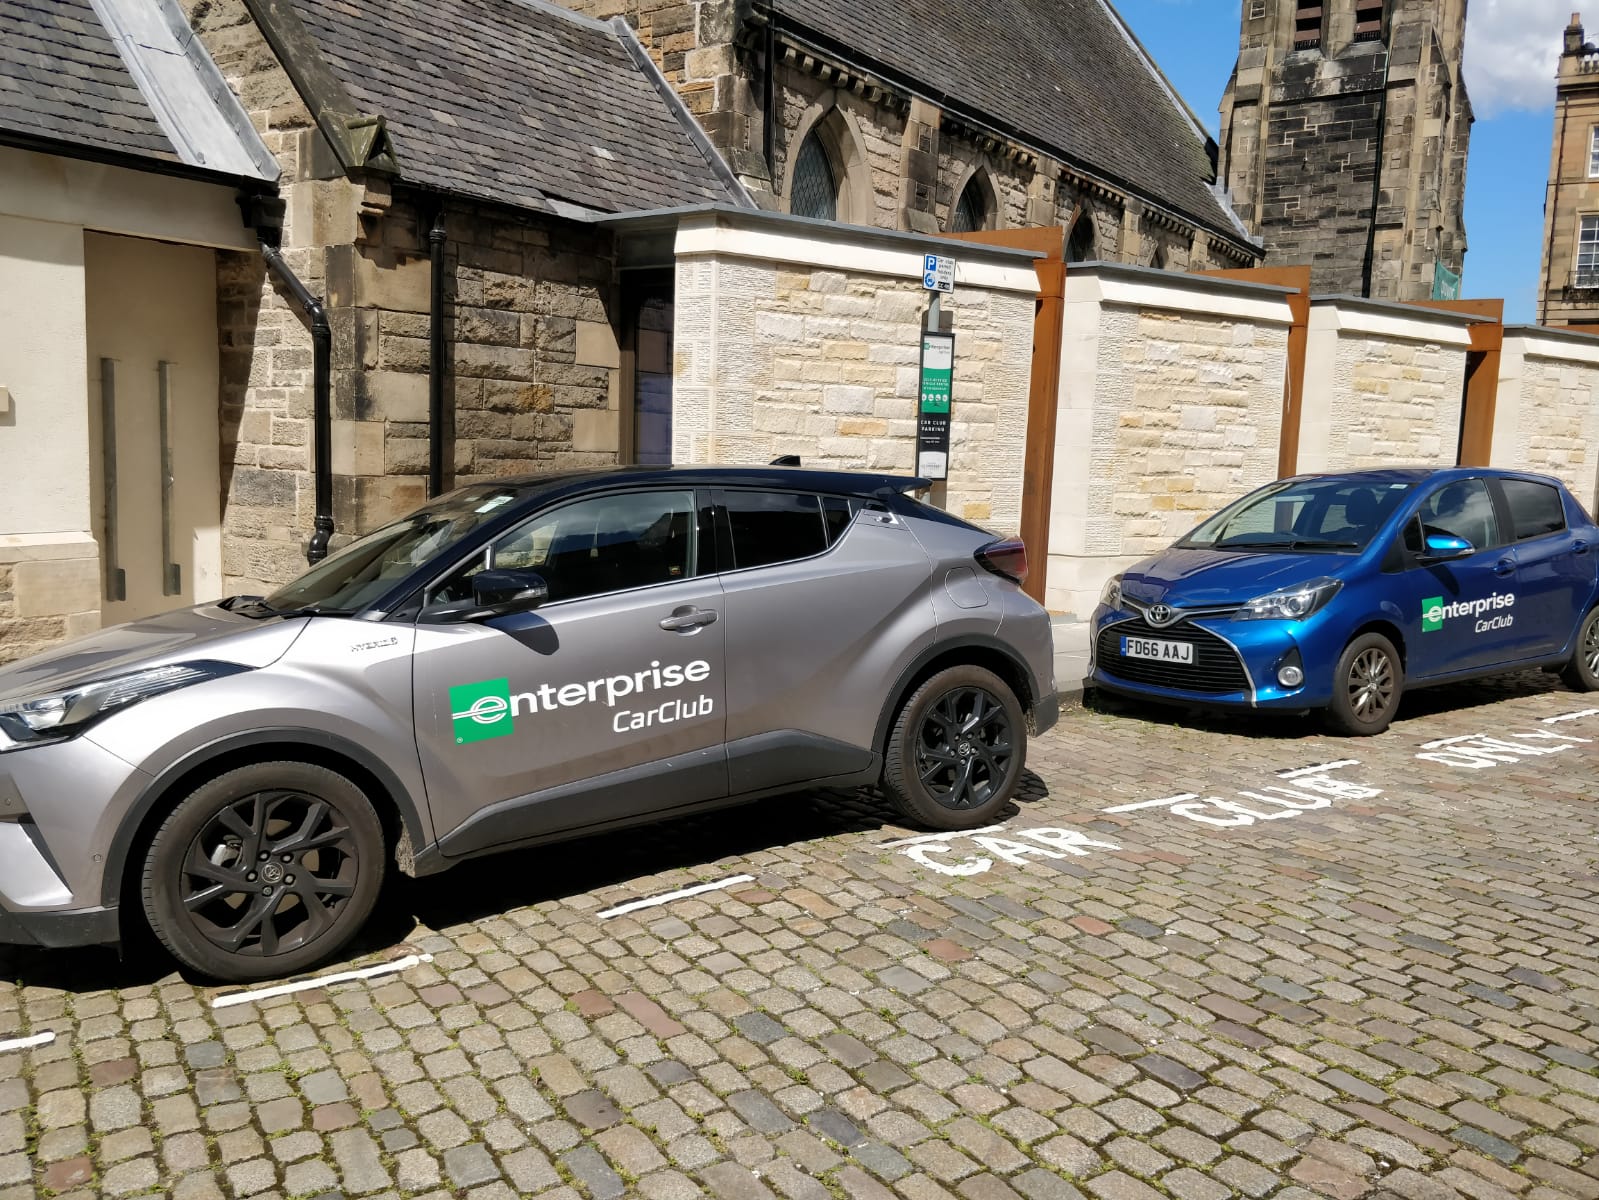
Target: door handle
column 1579, row 547
column 687, row 618
column 1504, row 566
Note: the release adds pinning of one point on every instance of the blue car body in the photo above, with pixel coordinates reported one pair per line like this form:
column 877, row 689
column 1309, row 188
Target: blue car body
column 1516, row 601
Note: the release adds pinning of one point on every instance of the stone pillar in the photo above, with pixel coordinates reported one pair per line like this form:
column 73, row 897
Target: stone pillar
column 918, row 189
column 1042, row 192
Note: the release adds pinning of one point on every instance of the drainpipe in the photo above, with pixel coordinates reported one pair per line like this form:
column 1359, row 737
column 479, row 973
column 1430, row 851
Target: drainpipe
column 1376, row 180
column 436, row 238
column 321, row 394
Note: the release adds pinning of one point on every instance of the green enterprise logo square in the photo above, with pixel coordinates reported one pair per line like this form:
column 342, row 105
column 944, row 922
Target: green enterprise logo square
column 481, row 711
column 1432, row 615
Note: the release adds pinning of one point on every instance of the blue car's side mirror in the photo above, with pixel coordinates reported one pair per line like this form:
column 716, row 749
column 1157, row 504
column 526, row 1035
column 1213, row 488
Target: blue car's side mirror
column 1441, row 546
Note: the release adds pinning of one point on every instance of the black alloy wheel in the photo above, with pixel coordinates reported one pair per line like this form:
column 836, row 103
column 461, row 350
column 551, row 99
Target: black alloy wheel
column 957, row 749
column 264, row 871
column 964, row 748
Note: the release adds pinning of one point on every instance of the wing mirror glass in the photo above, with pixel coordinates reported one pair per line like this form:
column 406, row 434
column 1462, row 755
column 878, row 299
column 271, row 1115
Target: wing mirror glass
column 1443, row 546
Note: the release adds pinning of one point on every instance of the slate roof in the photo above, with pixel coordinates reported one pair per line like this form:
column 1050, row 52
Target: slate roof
column 1062, row 75
column 514, row 101
column 62, row 80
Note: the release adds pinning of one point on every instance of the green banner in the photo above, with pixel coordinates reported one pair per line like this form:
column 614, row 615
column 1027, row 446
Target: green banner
column 1445, row 283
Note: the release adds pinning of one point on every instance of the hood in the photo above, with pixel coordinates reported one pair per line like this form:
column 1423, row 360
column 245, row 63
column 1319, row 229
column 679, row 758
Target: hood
column 1201, row 578
column 206, row 632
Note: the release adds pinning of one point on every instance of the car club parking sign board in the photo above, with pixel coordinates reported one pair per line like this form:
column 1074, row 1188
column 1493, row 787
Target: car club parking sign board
column 932, row 414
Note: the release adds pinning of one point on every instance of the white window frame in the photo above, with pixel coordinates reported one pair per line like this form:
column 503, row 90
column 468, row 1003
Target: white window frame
column 1585, row 269
column 1593, row 152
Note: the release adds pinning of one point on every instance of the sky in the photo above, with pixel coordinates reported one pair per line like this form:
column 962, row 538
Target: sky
column 1512, row 48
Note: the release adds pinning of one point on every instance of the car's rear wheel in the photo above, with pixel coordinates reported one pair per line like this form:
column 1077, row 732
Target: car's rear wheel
column 957, row 749
column 1582, row 672
column 264, row 871
column 1367, row 685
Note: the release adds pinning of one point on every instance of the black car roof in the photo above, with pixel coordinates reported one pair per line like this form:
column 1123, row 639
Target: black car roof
column 841, row 483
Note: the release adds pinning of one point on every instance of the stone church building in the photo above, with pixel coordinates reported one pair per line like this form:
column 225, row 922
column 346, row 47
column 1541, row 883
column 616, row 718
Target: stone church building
column 1344, row 133
column 941, row 118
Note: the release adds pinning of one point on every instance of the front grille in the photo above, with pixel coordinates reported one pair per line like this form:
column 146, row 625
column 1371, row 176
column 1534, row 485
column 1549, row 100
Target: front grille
column 1216, row 669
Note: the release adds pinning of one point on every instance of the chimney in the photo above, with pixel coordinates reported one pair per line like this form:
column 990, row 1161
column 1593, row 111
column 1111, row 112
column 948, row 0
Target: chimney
column 1574, row 35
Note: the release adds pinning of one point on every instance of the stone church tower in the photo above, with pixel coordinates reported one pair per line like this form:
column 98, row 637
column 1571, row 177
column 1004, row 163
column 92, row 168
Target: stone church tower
column 1344, row 132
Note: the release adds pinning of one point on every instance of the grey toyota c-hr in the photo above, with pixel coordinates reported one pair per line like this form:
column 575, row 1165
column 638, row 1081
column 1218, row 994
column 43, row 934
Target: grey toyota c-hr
column 514, row 663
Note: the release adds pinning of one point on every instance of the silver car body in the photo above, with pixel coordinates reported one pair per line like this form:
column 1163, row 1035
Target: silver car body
column 613, row 719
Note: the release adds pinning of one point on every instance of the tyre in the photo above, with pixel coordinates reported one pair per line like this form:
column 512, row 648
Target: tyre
column 1582, row 672
column 957, row 750
column 1367, row 685
column 264, row 871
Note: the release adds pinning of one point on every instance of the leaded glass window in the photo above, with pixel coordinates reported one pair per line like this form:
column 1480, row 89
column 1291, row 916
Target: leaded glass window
column 971, row 213
column 815, row 190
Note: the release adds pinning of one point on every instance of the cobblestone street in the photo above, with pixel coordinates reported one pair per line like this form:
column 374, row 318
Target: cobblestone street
column 1203, row 958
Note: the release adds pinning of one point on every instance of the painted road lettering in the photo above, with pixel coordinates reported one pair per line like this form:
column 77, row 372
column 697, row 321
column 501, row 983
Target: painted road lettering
column 1303, row 789
column 1483, row 751
column 1019, row 847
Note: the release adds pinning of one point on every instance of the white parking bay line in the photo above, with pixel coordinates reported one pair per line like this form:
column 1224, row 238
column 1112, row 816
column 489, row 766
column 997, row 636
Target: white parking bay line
column 305, row 985
column 27, row 1043
column 653, row 901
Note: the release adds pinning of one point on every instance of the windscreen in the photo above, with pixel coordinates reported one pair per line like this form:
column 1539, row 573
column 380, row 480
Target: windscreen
column 359, row 573
column 1325, row 515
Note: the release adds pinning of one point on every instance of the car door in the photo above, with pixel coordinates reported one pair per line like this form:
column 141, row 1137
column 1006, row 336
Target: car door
column 1554, row 566
column 608, row 701
column 1458, row 612
column 826, row 600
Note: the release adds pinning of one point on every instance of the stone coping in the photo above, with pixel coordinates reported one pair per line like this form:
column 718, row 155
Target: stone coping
column 1218, row 284
column 1417, row 312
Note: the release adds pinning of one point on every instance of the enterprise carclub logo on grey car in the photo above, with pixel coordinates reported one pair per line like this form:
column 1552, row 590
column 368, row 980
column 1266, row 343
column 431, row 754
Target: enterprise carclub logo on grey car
column 515, row 663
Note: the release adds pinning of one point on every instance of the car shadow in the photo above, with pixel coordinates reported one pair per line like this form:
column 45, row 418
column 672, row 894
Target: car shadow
column 500, row 883
column 1413, row 706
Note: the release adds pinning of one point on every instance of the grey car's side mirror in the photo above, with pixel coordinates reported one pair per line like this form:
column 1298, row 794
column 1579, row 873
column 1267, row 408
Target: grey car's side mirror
column 1442, row 547
column 497, row 592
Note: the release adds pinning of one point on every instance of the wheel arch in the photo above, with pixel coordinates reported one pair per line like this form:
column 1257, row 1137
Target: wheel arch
column 1389, row 630
column 403, row 827
column 973, row 650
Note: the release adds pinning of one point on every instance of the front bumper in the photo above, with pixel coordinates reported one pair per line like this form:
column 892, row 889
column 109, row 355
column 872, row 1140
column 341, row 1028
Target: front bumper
column 1235, row 663
column 1046, row 713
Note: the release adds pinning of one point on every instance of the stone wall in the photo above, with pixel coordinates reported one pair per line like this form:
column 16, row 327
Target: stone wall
column 784, row 347
column 1171, row 400
column 1384, row 385
column 1546, row 417
column 49, row 591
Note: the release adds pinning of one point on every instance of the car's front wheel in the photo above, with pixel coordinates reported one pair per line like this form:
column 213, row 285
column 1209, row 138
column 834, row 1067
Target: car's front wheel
column 957, row 749
column 1582, row 672
column 1367, row 685
column 264, row 871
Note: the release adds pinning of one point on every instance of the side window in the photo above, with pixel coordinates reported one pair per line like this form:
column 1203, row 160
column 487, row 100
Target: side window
column 591, row 547
column 1535, row 508
column 777, row 527
column 1463, row 509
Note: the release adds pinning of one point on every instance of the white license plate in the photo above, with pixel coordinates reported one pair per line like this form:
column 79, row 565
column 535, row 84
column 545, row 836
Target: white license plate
column 1175, row 652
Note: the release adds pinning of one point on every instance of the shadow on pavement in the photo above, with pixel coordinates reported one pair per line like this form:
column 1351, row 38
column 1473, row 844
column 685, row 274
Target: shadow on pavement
column 1414, row 705
column 499, row 883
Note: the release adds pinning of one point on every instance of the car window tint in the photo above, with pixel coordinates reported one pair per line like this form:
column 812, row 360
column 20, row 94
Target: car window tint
column 1535, row 508
column 607, row 544
column 836, row 513
column 774, row 527
column 1463, row 509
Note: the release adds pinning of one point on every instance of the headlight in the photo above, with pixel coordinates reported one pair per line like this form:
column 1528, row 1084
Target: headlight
column 1291, row 604
column 54, row 716
column 1111, row 597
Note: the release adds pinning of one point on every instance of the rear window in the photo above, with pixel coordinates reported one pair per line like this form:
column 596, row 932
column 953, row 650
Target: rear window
column 1535, row 508
column 779, row 527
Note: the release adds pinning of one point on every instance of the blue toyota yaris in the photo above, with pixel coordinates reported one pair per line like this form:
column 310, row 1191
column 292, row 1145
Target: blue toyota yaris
column 1338, row 592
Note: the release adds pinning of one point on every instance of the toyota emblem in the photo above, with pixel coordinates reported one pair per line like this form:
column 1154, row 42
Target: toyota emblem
column 1161, row 615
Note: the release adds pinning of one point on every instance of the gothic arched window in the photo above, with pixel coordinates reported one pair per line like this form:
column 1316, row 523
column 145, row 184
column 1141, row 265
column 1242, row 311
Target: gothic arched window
column 971, row 210
column 815, row 189
column 1080, row 245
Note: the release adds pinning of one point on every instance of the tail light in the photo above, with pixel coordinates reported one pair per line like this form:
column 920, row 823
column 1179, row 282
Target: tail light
column 1007, row 558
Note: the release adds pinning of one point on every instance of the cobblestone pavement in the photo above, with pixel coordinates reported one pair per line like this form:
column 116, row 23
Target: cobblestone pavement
column 1374, row 977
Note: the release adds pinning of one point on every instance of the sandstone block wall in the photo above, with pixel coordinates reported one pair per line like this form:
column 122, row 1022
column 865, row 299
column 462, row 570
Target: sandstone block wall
column 785, row 356
column 1384, row 386
column 49, row 591
column 1546, row 417
column 1170, row 407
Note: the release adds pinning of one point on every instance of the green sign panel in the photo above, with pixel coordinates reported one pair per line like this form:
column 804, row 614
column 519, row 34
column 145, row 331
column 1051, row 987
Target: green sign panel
column 933, row 412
